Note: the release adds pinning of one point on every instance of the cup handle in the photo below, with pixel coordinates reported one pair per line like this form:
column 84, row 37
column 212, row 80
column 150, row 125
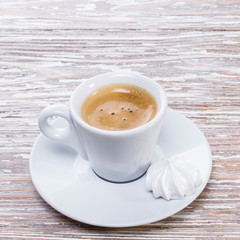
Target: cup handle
column 66, row 135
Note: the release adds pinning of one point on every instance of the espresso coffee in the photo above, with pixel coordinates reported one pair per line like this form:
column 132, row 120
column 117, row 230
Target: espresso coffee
column 118, row 107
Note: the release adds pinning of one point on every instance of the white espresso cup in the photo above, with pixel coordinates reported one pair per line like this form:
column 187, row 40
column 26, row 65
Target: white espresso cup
column 116, row 156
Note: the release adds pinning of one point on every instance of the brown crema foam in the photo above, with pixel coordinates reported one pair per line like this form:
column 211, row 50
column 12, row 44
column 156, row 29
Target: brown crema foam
column 118, row 107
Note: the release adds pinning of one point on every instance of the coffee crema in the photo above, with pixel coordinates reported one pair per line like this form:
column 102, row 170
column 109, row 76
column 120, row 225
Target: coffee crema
column 118, row 107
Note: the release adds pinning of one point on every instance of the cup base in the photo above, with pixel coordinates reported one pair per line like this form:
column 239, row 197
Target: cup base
column 121, row 182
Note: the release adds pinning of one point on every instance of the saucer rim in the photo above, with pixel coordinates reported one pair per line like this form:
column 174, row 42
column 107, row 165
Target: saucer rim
column 145, row 221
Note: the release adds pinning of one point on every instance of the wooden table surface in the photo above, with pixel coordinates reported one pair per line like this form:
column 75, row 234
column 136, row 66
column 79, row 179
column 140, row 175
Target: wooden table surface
column 191, row 47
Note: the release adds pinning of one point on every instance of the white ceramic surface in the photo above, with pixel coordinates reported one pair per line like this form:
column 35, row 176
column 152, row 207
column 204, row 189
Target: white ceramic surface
column 68, row 184
column 118, row 156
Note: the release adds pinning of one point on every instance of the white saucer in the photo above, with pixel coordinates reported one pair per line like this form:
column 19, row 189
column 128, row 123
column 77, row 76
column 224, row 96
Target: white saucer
column 68, row 184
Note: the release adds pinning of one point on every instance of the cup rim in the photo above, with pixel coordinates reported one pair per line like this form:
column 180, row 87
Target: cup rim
column 159, row 115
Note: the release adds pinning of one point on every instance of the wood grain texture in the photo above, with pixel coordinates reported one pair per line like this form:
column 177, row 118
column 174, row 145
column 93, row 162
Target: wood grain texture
column 191, row 47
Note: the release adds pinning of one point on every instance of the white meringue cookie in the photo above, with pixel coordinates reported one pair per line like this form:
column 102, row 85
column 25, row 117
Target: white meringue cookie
column 172, row 178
